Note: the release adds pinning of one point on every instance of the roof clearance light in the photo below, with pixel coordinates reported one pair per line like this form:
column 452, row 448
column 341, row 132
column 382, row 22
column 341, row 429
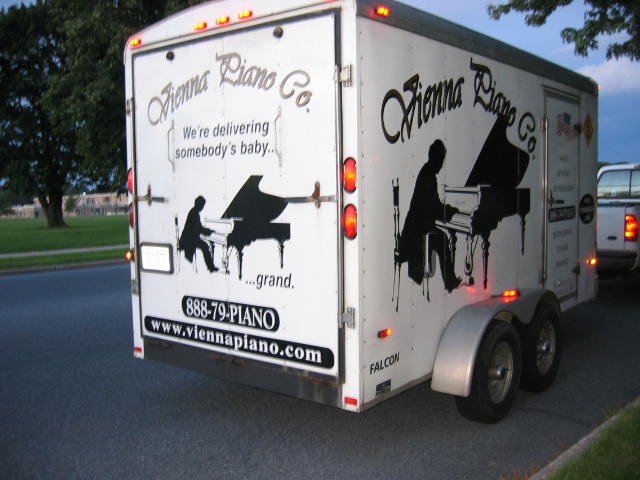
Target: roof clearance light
column 511, row 293
column 382, row 11
column 630, row 228
column 349, row 175
column 385, row 333
column 129, row 255
column 350, row 401
column 350, row 221
column 200, row 26
column 245, row 14
column 135, row 42
column 222, row 20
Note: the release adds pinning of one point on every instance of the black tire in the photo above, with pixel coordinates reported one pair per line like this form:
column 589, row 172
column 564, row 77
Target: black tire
column 541, row 348
column 496, row 375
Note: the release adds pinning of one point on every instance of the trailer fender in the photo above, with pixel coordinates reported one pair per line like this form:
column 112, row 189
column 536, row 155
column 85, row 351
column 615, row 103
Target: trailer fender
column 458, row 347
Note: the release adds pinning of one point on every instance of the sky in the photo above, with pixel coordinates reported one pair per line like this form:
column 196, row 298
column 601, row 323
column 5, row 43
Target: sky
column 619, row 101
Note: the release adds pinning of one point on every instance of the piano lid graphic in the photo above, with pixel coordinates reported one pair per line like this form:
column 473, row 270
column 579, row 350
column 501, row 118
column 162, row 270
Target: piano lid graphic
column 432, row 225
column 247, row 218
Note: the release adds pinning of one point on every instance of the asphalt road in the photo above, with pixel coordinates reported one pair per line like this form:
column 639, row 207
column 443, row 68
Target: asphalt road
column 75, row 404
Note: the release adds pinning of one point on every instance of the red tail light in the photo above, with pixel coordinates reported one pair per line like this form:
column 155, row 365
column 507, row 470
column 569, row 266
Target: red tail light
column 130, row 180
column 349, row 175
column 350, row 221
column 630, row 228
column 132, row 217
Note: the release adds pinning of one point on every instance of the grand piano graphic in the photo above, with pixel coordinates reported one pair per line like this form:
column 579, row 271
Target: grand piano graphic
column 489, row 195
column 247, row 218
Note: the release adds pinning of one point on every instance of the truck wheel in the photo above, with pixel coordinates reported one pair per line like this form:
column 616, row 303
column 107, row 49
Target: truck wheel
column 496, row 375
column 541, row 349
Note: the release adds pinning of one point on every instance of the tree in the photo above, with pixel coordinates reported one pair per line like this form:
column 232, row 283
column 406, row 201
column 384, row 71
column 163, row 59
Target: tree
column 89, row 97
column 36, row 156
column 62, row 115
column 604, row 17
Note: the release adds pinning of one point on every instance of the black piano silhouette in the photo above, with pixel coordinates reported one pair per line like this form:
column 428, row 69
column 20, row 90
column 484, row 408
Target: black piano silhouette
column 493, row 185
column 250, row 214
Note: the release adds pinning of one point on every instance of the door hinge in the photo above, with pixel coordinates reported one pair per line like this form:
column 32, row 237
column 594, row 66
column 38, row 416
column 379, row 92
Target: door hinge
column 348, row 318
column 344, row 75
column 129, row 106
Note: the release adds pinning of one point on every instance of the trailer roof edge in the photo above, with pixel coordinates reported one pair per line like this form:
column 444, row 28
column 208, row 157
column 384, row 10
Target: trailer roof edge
column 431, row 26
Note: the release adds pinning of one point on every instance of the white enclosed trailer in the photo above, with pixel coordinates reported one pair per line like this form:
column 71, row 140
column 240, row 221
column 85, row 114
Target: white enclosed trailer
column 339, row 200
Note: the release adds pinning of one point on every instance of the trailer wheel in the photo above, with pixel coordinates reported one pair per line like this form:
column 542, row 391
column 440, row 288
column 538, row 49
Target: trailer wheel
column 496, row 375
column 541, row 349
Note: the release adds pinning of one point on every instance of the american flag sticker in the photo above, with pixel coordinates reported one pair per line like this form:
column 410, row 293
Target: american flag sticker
column 563, row 124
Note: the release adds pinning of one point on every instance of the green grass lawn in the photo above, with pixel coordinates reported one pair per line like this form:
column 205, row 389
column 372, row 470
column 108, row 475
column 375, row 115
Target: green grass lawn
column 28, row 234
column 615, row 455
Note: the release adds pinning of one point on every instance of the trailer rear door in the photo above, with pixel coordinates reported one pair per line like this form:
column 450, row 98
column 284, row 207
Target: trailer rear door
column 232, row 133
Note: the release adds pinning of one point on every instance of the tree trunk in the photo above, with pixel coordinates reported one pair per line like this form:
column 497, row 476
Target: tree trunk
column 52, row 206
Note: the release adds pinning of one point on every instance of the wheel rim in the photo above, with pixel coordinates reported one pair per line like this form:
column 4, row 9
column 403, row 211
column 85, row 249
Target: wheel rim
column 546, row 347
column 500, row 372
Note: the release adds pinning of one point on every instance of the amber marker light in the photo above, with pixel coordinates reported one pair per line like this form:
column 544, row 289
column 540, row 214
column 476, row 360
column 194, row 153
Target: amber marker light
column 222, row 20
column 385, row 333
column 593, row 261
column 513, row 293
column 200, row 26
column 382, row 11
column 245, row 14
column 129, row 255
column 135, row 42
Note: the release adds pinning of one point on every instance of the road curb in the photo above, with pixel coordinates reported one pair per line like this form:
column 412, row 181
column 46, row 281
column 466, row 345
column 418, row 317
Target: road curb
column 547, row 472
column 68, row 266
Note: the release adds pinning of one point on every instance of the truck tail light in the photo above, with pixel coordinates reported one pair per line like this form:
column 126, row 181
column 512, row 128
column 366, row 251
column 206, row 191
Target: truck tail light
column 350, row 221
column 630, row 228
column 349, row 175
column 132, row 217
column 130, row 180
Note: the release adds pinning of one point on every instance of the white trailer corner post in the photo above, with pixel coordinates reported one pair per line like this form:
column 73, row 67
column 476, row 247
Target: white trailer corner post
column 341, row 200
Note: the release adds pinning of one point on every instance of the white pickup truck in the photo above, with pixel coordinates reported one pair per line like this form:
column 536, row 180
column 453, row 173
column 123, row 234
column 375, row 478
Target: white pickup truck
column 618, row 216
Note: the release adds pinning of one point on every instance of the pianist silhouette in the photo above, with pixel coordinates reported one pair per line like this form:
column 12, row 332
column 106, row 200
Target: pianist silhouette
column 425, row 208
column 190, row 238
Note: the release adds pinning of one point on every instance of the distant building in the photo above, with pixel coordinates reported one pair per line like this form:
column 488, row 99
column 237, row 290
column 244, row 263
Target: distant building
column 82, row 205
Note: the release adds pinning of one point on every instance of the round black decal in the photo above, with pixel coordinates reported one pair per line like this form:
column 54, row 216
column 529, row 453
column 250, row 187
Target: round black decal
column 587, row 208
